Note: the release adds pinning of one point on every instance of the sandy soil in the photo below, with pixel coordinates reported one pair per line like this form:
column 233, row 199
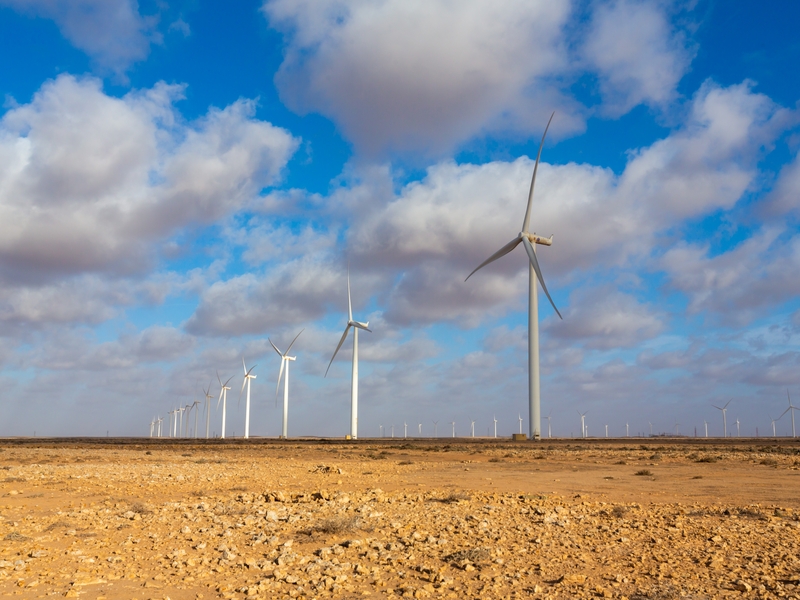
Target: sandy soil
column 449, row 518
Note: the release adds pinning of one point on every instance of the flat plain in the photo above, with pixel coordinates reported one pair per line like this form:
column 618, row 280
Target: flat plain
column 643, row 519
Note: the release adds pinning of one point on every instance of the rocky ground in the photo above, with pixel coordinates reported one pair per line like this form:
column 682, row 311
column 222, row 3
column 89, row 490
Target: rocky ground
column 394, row 518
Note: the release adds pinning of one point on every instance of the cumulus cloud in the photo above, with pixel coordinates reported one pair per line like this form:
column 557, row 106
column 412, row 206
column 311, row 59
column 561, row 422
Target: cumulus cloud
column 739, row 284
column 423, row 76
column 605, row 318
column 428, row 76
column 89, row 182
column 638, row 57
column 111, row 32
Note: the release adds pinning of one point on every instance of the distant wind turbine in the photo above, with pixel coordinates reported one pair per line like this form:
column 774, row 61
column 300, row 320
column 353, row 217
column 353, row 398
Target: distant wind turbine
column 420, row 429
column 248, row 375
column 791, row 410
column 773, row 421
column 473, row 427
column 737, row 427
column 520, row 422
column 160, row 420
column 453, row 423
column 356, row 325
column 583, row 422
column 285, row 358
column 223, row 397
column 706, row 424
column 724, row 410
column 548, row 424
column 529, row 240
column 494, row 418
column 436, row 429
column 209, row 397
column 196, row 410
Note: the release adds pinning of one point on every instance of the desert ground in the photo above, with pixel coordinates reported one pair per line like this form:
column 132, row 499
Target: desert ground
column 430, row 518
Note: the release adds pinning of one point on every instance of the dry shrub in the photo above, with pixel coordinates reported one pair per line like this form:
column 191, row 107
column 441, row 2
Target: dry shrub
column 140, row 508
column 338, row 525
column 656, row 456
column 619, row 511
column 495, row 460
column 707, row 459
column 644, row 472
column 57, row 525
column 770, row 462
column 406, row 462
column 16, row 537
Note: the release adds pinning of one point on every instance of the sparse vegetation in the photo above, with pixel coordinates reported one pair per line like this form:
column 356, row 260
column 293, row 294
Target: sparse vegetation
column 338, row 525
column 643, row 473
column 471, row 555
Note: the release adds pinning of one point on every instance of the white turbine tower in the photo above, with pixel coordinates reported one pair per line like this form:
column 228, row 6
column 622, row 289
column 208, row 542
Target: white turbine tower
column 583, row 422
column 473, row 427
column 724, row 410
column 453, row 423
column 248, row 375
column 773, row 421
column 160, row 420
column 520, row 422
column 436, row 429
column 356, row 325
column 550, row 416
column 627, row 430
column 223, row 397
column 285, row 358
column 194, row 405
column 209, row 397
column 737, row 428
column 419, row 425
column 651, row 428
column 494, row 418
column 606, row 430
column 529, row 240
column 706, row 424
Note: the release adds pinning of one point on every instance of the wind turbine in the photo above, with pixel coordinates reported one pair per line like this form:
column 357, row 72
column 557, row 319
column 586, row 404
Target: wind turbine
column 285, row 358
column 436, row 429
column 520, row 422
column 606, row 430
column 381, row 430
column 548, row 424
column 529, row 240
column 405, row 430
column 724, row 410
column 209, row 396
column 737, row 427
column 223, row 397
column 651, row 428
column 677, row 430
column 152, row 424
column 160, row 420
column 773, row 421
column 194, row 404
column 706, row 424
column 494, row 418
column 246, row 381
column 583, row 422
column 356, row 325
column 453, row 423
column 473, row 427
column 627, row 430
column 790, row 409
column 420, row 429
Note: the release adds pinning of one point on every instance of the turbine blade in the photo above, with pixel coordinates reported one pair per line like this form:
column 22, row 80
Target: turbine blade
column 349, row 303
column 364, row 326
column 535, row 263
column 500, row 253
column 218, row 379
column 276, row 348
column 526, row 223
column 341, row 341
column 294, row 340
column 247, row 374
column 220, row 397
column 728, row 402
column 278, row 387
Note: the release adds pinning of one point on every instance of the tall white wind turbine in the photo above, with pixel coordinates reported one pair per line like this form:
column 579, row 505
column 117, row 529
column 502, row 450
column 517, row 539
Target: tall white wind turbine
column 223, row 397
column 209, row 397
column 494, row 418
column 195, row 404
column 436, row 429
column 356, row 325
column 724, row 410
column 520, row 422
column 248, row 375
column 285, row 358
column 773, row 421
column 529, row 240
column 160, row 420
column 791, row 410
column 550, row 416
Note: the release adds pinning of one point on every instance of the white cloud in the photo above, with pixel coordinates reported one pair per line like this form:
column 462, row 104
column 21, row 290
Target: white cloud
column 111, row 32
column 605, row 318
column 638, row 56
column 89, row 182
column 426, row 76
column 399, row 75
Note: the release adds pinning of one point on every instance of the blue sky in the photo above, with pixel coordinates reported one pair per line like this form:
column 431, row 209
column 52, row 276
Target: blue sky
column 180, row 181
